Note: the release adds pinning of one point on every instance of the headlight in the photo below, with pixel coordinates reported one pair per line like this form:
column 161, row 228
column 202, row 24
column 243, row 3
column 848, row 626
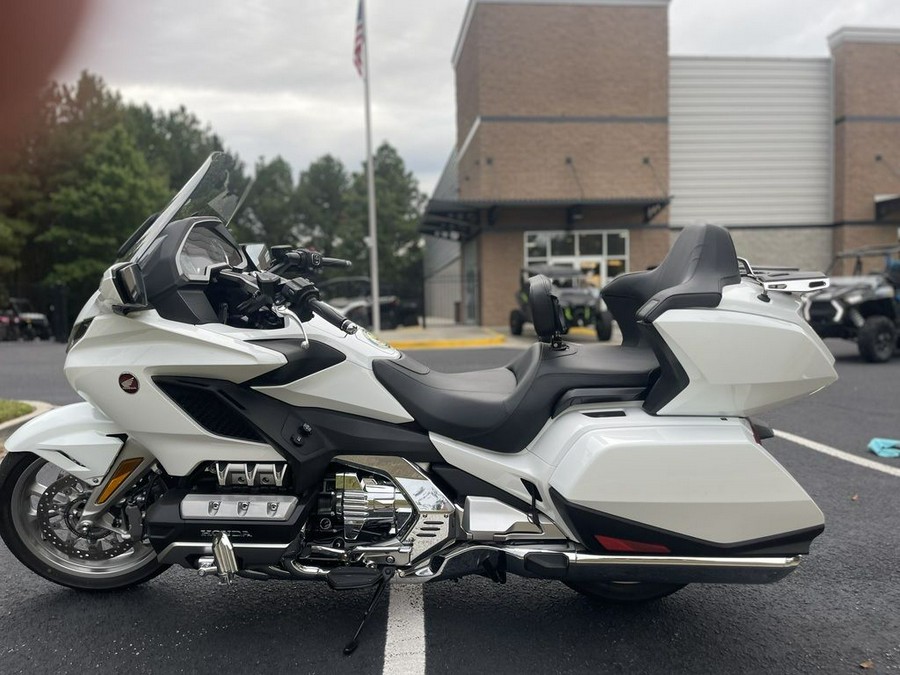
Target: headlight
column 78, row 331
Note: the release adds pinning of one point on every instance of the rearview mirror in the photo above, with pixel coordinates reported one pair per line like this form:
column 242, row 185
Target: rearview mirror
column 259, row 255
column 129, row 281
column 123, row 287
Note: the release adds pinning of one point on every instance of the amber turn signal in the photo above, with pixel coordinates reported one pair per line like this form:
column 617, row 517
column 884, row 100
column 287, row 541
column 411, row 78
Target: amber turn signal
column 123, row 471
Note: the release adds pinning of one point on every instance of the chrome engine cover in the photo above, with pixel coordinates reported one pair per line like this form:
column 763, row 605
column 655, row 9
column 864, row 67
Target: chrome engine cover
column 250, row 474
column 369, row 503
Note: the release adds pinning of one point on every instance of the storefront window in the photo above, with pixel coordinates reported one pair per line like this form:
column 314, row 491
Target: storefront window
column 536, row 245
column 599, row 254
column 562, row 244
column 616, row 243
column 591, row 244
column 615, row 267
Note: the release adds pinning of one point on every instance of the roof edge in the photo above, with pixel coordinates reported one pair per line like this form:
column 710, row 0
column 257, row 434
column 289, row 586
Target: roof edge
column 470, row 12
column 866, row 34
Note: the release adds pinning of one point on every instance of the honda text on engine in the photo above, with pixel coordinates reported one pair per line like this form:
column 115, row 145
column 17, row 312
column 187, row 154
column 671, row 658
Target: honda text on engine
column 235, row 424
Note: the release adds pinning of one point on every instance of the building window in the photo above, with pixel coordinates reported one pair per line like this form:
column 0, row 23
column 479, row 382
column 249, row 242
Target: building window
column 600, row 254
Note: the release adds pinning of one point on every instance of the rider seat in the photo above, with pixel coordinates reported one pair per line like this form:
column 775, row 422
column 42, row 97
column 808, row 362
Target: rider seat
column 503, row 409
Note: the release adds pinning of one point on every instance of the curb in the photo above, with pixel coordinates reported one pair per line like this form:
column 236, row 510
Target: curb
column 40, row 407
column 6, row 429
column 450, row 343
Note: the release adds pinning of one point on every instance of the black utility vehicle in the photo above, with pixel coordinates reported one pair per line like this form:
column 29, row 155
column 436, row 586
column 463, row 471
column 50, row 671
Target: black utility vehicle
column 862, row 307
column 580, row 302
column 352, row 296
column 24, row 322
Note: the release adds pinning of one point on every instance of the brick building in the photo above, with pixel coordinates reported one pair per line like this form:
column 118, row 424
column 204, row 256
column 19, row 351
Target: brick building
column 582, row 143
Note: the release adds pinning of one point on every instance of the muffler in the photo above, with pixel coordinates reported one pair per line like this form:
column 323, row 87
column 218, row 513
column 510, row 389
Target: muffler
column 577, row 566
column 568, row 565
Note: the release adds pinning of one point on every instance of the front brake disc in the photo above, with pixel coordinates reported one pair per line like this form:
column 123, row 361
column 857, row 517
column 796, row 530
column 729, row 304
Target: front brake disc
column 59, row 518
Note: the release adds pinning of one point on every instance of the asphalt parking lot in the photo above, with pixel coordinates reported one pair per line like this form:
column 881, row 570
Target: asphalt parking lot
column 840, row 609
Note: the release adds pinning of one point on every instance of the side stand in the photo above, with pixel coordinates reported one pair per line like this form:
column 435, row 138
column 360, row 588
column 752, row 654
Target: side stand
column 382, row 584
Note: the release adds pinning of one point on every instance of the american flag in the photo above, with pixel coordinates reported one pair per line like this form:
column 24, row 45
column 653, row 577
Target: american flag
column 360, row 41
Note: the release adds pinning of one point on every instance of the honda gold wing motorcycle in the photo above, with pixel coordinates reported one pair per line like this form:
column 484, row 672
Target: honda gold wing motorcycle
column 235, row 424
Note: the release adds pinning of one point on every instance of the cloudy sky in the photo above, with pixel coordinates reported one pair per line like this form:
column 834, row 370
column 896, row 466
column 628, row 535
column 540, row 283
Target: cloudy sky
column 276, row 76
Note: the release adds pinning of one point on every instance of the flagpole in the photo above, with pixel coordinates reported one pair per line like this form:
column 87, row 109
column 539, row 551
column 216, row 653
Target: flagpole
column 370, row 175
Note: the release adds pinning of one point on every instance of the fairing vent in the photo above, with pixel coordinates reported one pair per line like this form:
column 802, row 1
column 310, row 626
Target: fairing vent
column 209, row 411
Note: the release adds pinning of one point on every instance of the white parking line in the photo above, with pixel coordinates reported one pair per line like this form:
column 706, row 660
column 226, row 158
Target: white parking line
column 404, row 649
column 840, row 454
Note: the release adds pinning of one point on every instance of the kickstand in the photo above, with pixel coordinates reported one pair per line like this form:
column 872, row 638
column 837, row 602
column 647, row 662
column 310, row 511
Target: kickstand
column 386, row 575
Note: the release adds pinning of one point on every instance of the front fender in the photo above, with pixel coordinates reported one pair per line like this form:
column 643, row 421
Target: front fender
column 77, row 438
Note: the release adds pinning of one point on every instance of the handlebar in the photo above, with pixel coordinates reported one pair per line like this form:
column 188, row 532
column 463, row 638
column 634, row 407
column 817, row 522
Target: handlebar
column 302, row 260
column 332, row 316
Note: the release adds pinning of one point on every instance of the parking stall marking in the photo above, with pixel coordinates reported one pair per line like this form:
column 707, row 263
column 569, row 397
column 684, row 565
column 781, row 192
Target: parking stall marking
column 839, row 454
column 404, row 648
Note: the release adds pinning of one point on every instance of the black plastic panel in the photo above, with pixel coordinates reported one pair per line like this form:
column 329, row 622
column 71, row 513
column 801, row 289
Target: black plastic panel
column 457, row 484
column 672, row 378
column 596, row 395
column 587, row 523
column 309, row 438
column 300, row 362
column 209, row 410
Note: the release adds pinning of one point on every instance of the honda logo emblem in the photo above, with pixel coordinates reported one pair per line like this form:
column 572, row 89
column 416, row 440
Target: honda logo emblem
column 129, row 383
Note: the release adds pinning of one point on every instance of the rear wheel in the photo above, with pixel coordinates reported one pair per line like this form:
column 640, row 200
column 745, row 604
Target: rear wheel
column 624, row 592
column 516, row 322
column 39, row 508
column 877, row 339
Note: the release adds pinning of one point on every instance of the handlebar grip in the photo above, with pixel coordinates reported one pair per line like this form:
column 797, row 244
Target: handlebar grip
column 332, row 316
column 336, row 262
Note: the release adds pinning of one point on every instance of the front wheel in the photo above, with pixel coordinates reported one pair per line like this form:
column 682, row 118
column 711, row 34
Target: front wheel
column 624, row 592
column 40, row 507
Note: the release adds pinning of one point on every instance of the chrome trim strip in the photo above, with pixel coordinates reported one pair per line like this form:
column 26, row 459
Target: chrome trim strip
column 666, row 569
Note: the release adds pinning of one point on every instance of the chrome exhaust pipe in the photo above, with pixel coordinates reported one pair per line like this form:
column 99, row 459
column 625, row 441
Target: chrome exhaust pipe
column 578, row 566
column 569, row 565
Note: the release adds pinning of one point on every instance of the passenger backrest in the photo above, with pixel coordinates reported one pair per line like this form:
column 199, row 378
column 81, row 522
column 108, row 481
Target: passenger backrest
column 701, row 262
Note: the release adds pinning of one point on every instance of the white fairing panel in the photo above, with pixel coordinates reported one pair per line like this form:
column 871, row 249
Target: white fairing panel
column 145, row 345
column 78, row 438
column 701, row 478
column 745, row 356
column 349, row 386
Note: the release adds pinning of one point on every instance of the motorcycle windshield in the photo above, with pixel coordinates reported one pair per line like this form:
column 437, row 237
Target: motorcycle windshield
column 213, row 191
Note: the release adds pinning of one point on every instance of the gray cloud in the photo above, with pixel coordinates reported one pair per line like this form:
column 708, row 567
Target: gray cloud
column 276, row 76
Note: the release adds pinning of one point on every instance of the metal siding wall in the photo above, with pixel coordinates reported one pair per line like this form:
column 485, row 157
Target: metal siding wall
column 750, row 141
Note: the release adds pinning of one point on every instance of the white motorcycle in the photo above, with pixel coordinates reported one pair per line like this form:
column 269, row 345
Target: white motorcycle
column 235, row 424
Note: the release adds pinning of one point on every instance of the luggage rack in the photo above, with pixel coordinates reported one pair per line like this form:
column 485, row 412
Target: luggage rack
column 784, row 279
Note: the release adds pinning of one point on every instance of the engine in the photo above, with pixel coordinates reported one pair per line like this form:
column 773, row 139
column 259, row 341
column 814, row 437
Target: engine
column 256, row 506
column 356, row 507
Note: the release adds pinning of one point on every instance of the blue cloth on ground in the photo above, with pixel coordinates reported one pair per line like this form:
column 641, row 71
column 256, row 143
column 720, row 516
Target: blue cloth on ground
column 885, row 447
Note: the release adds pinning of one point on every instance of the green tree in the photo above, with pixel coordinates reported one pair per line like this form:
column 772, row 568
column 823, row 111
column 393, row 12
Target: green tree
column 321, row 203
column 175, row 143
column 90, row 172
column 269, row 213
column 91, row 216
column 398, row 208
